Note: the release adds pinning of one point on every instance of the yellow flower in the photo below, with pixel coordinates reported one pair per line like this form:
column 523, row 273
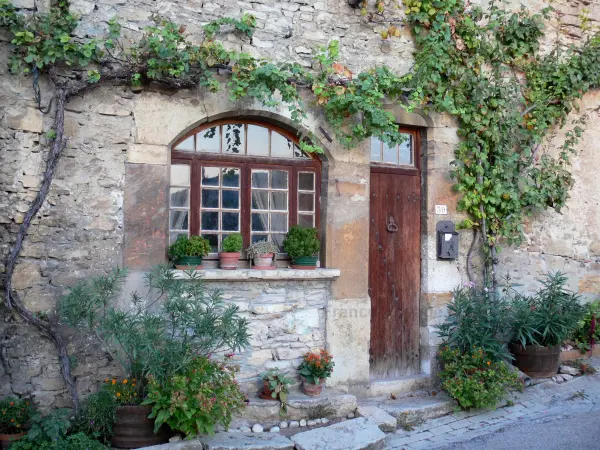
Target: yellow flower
column 118, row 394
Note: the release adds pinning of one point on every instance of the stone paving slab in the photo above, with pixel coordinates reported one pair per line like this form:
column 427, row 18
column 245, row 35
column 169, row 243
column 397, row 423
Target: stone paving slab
column 247, row 441
column 379, row 417
column 355, row 434
column 414, row 410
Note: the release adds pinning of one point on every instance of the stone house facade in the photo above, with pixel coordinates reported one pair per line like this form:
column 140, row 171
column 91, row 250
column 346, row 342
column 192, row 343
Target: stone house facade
column 381, row 288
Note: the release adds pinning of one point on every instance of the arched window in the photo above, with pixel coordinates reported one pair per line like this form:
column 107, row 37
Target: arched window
column 247, row 177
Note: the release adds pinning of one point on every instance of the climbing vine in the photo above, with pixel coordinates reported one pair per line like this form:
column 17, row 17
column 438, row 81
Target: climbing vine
column 484, row 68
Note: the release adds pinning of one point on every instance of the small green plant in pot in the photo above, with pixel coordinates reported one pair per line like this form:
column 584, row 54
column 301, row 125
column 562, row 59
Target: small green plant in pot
column 15, row 418
column 275, row 387
column 302, row 245
column 232, row 246
column 316, row 367
column 262, row 253
column 187, row 252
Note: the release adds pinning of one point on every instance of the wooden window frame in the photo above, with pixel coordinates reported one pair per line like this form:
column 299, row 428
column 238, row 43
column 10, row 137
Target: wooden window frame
column 246, row 163
column 414, row 169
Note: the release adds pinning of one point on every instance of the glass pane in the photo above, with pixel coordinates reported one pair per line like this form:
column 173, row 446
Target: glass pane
column 375, row 149
column 233, row 138
column 299, row 153
column 258, row 140
column 231, row 199
column 179, row 220
column 306, row 202
column 390, row 154
column 210, row 176
column 260, row 179
column 278, row 239
column 208, row 140
column 281, row 146
column 279, row 201
column 231, row 177
column 279, row 179
column 174, row 235
column 406, row 153
column 186, row 145
column 210, row 198
column 213, row 240
column 210, row 220
column 306, row 220
column 260, row 200
column 180, row 175
column 260, row 222
column 259, row 237
column 306, row 181
column 180, row 197
column 231, row 221
column 279, row 222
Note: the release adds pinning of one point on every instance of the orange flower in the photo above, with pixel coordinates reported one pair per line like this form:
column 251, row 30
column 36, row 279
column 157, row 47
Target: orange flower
column 489, row 362
column 118, row 394
column 114, row 381
column 106, row 380
column 12, row 420
column 125, row 381
column 12, row 403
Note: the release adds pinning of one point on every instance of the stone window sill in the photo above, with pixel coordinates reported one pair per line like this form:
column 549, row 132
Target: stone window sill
column 257, row 275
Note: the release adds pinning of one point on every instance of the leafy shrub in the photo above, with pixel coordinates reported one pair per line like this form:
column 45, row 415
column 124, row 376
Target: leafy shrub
column 474, row 379
column 16, row 413
column 50, row 427
column 233, row 243
column 164, row 331
column 78, row 441
column 195, row 400
column 316, row 366
column 477, row 318
column 261, row 248
column 189, row 246
column 98, row 415
column 587, row 333
column 278, row 385
column 549, row 317
column 127, row 391
column 301, row 241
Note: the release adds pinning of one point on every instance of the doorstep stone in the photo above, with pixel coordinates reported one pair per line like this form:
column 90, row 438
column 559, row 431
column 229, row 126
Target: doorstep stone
column 247, row 441
column 412, row 410
column 379, row 417
column 194, row 444
column 355, row 434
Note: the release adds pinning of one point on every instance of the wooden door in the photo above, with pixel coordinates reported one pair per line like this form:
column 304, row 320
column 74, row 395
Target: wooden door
column 394, row 272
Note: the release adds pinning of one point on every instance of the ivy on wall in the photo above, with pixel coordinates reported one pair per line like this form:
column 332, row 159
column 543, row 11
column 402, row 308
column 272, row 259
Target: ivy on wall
column 483, row 67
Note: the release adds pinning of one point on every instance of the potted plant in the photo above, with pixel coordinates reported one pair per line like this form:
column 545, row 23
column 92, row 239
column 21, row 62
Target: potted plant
column 275, row 387
column 263, row 255
column 187, row 252
column 232, row 246
column 302, row 245
column 315, row 368
column 14, row 419
column 541, row 323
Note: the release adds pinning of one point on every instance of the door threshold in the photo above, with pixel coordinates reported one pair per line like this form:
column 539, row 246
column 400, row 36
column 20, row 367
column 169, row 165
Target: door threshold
column 400, row 385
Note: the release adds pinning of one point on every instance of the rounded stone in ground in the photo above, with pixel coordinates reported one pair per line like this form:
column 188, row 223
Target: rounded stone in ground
column 283, row 425
column 294, row 424
column 303, row 423
column 311, row 423
column 258, row 428
column 274, row 430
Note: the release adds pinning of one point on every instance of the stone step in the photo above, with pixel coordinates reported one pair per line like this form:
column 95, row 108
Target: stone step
column 355, row 434
column 247, row 441
column 413, row 410
column 379, row 417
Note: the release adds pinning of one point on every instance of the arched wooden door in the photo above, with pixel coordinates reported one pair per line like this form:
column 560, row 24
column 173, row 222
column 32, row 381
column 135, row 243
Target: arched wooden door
column 395, row 258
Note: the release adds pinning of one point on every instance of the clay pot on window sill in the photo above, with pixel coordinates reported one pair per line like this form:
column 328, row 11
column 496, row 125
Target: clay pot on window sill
column 264, row 262
column 229, row 260
column 189, row 262
column 312, row 389
column 7, row 439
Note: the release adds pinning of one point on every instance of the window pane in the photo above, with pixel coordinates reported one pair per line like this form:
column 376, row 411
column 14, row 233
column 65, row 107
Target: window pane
column 231, row 221
column 260, row 200
column 210, row 176
column 306, row 220
column 210, row 220
column 230, row 177
column 213, row 240
column 180, row 197
column 278, row 239
column 279, row 222
column 260, row 222
column 179, row 220
column 299, row 153
column 279, row 201
column 258, row 140
column 306, row 181
column 208, row 140
column 210, row 198
column 186, row 145
column 259, row 237
column 390, row 154
column 231, row 199
column 260, row 179
column 281, row 146
column 233, row 138
column 279, row 179
column 406, row 152
column 306, row 202
column 375, row 149
column 174, row 235
column 180, row 175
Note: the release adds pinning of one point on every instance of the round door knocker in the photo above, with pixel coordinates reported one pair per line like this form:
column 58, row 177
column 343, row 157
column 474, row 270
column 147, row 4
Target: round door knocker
column 391, row 225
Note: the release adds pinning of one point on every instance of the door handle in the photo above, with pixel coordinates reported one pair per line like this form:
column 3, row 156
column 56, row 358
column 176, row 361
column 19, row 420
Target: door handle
column 391, row 225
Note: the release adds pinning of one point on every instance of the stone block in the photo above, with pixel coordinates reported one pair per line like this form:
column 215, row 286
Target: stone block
column 112, row 109
column 148, row 154
column 26, row 4
column 26, row 275
column 589, row 284
column 356, row 434
column 26, row 119
column 247, row 441
column 379, row 417
column 418, row 409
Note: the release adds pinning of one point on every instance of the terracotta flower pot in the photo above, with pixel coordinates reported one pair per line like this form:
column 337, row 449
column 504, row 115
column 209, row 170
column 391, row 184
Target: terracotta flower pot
column 537, row 362
column 264, row 262
column 312, row 389
column 229, row 260
column 133, row 429
column 267, row 393
column 7, row 439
